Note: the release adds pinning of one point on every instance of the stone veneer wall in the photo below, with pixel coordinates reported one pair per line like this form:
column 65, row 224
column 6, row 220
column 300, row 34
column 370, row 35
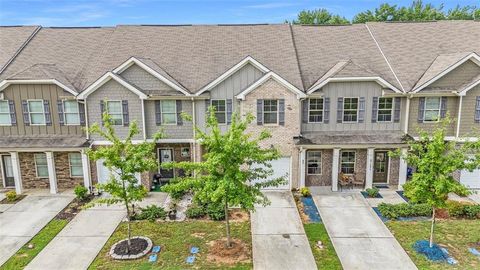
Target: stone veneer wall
column 62, row 169
column 29, row 174
column 325, row 179
column 394, row 171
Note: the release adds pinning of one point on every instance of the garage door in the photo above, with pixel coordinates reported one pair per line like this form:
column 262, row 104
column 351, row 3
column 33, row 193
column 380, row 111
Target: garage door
column 103, row 173
column 281, row 168
column 470, row 179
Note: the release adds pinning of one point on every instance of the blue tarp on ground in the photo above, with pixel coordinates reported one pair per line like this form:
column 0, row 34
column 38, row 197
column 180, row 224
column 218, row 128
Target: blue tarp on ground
column 310, row 209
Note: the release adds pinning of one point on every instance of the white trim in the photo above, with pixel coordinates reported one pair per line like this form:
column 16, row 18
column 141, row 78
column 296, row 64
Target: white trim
column 17, row 175
column 232, row 70
column 144, row 128
column 302, row 166
column 459, row 117
column 308, row 109
column 464, row 91
column 161, row 113
column 100, row 142
column 104, row 79
column 392, row 111
column 343, row 111
column 402, row 170
column 370, row 167
column 4, row 172
column 64, row 113
column 377, row 79
column 43, row 112
column 133, row 60
column 52, row 175
column 448, row 70
column 9, row 114
column 300, row 94
column 335, row 168
column 5, row 83
column 407, row 115
column 351, row 146
column 87, row 182
column 439, row 110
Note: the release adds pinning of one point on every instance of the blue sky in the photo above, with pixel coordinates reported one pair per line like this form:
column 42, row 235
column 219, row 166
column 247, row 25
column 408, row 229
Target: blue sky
column 112, row 12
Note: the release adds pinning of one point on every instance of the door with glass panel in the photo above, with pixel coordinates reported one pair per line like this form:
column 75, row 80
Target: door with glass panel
column 380, row 170
column 8, row 171
column 165, row 155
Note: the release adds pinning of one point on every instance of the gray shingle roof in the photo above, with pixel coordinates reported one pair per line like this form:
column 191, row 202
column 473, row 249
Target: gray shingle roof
column 12, row 38
column 42, row 72
column 43, row 142
column 355, row 138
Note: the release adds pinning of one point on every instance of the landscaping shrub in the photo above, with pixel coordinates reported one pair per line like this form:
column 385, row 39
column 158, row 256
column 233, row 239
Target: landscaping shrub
column 81, row 192
column 216, row 211
column 394, row 211
column 195, row 211
column 472, row 211
column 372, row 192
column 151, row 213
column 455, row 209
column 305, row 192
column 11, row 196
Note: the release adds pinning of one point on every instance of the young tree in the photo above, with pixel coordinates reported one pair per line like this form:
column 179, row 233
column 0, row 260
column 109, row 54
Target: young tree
column 234, row 169
column 319, row 16
column 435, row 161
column 124, row 160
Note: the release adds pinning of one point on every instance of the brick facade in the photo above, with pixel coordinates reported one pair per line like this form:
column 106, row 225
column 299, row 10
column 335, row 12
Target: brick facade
column 62, row 169
column 394, row 171
column 325, row 178
column 29, row 174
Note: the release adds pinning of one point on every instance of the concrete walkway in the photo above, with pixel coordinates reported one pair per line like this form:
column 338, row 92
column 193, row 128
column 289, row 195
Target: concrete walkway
column 360, row 238
column 23, row 220
column 279, row 241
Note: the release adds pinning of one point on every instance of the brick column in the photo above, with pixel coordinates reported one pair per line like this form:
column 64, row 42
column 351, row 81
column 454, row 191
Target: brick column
column 17, row 176
column 87, row 182
column 52, row 175
column 369, row 172
column 335, row 164
column 402, row 171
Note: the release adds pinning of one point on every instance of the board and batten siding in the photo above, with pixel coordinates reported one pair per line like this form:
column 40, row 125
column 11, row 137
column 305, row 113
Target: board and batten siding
column 112, row 90
column 414, row 126
column 50, row 92
column 468, row 126
column 368, row 90
column 185, row 131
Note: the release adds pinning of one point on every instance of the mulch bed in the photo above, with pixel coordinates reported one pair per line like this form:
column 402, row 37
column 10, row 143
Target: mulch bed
column 219, row 253
column 137, row 246
column 73, row 208
column 19, row 198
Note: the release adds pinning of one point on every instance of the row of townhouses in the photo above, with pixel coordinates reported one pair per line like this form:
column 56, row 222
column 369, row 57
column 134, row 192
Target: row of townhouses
column 336, row 99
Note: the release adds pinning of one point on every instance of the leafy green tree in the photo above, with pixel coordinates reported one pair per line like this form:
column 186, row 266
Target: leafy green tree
column 232, row 167
column 435, row 161
column 385, row 12
column 463, row 13
column 124, row 160
column 319, row 16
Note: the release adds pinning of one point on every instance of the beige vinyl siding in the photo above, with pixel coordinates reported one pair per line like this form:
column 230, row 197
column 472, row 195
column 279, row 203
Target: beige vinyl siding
column 185, row 131
column 414, row 125
column 146, row 81
column 50, row 92
column 457, row 77
column 468, row 127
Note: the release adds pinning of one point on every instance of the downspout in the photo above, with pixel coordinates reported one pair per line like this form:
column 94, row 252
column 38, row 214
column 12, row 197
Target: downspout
column 144, row 128
column 194, row 121
column 459, row 116
column 407, row 114
column 87, row 133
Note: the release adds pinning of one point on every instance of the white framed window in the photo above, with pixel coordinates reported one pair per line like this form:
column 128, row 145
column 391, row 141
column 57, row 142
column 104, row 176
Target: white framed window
column 350, row 110
column 75, row 162
column 5, row 119
column 115, row 110
column 36, row 112
column 347, row 162
column 220, row 106
column 315, row 110
column 270, row 111
column 432, row 109
column 185, row 151
column 71, row 112
column 385, row 110
column 169, row 112
column 41, row 166
column 314, row 162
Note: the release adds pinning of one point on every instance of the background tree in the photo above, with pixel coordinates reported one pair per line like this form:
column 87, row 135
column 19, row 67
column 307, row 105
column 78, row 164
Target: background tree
column 319, row 16
column 435, row 161
column 234, row 169
column 124, row 160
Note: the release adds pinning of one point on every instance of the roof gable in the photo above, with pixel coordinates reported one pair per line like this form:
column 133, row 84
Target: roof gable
column 107, row 77
column 274, row 76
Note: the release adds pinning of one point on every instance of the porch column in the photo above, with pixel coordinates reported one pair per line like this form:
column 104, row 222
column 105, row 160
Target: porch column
column 302, row 167
column 17, row 175
column 369, row 172
column 402, row 177
column 87, row 182
column 52, row 175
column 335, row 163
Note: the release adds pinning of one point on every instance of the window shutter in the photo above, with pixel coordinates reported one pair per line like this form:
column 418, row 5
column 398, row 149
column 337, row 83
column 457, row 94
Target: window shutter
column 229, row 111
column 26, row 117
column 421, row 109
column 374, row 109
column 281, row 112
column 13, row 116
column 48, row 116
column 207, row 105
column 259, row 111
column 361, row 109
column 126, row 121
column 81, row 113
column 339, row 110
column 326, row 110
column 443, row 107
column 477, row 110
column 61, row 119
column 102, row 110
column 305, row 111
column 179, row 112
column 158, row 113
column 396, row 113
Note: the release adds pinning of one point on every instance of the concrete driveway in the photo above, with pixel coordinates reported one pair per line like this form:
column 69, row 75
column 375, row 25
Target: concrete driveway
column 279, row 241
column 20, row 222
column 360, row 238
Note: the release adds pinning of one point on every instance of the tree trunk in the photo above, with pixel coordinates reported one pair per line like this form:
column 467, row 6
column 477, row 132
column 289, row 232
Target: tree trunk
column 129, row 233
column 229, row 240
column 432, row 227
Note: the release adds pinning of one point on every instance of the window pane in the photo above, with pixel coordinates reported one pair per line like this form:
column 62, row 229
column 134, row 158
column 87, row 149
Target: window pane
column 169, row 118
column 117, row 119
column 37, row 118
column 221, row 118
column 432, row 103
column 270, row 118
column 41, row 165
column 168, row 106
column 431, row 116
column 72, row 119
column 4, row 119
column 4, row 106
column 35, row 106
column 75, row 159
column 114, row 107
column 42, row 171
column 70, row 106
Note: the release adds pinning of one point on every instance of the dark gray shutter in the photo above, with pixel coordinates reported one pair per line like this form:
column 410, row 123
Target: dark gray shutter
column 326, row 110
column 46, row 110
column 102, row 110
column 477, row 110
column 443, row 107
column 421, row 109
column 361, row 109
column 61, row 116
column 13, row 116
column 396, row 111
column 374, row 109
column 26, row 116
column 281, row 112
column 179, row 112
column 81, row 113
column 259, row 111
column 126, row 121
column 305, row 111
column 158, row 113
column 229, row 111
column 340, row 110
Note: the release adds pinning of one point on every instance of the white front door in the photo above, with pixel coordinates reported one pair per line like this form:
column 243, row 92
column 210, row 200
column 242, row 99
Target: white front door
column 470, row 179
column 281, row 168
column 103, row 173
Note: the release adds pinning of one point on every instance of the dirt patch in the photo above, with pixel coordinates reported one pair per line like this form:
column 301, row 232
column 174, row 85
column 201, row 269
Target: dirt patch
column 299, row 203
column 198, row 235
column 72, row 209
column 137, row 246
column 17, row 199
column 219, row 253
column 441, row 214
column 237, row 215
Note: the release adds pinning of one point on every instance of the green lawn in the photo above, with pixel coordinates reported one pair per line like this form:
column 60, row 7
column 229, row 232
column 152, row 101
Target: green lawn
column 325, row 258
column 175, row 238
column 456, row 235
column 24, row 255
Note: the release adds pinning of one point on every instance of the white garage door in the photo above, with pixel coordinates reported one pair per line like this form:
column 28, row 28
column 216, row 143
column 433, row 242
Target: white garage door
column 470, row 179
column 281, row 168
column 103, row 173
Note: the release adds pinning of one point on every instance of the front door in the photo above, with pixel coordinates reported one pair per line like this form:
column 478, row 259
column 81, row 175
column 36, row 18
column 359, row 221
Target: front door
column 8, row 171
column 165, row 155
column 380, row 170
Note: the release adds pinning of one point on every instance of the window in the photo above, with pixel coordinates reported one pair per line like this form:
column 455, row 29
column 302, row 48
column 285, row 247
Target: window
column 347, row 164
column 350, row 109
column 71, row 112
column 169, row 112
column 432, row 109
column 36, row 112
column 270, row 111
column 75, row 161
column 315, row 110
column 5, row 119
column 380, row 162
column 385, row 109
column 314, row 162
column 41, row 166
column 114, row 109
column 220, row 110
